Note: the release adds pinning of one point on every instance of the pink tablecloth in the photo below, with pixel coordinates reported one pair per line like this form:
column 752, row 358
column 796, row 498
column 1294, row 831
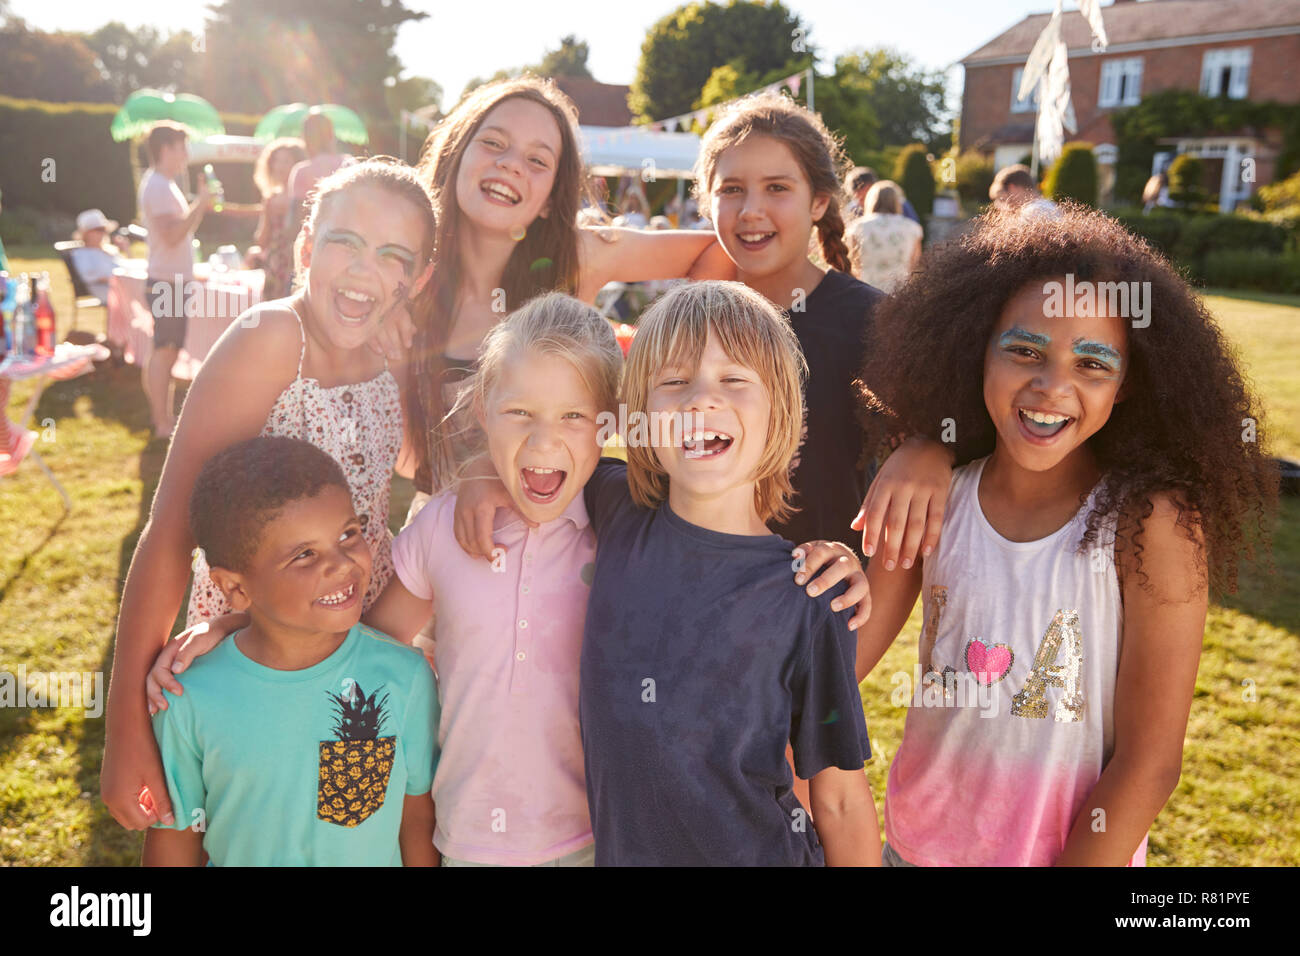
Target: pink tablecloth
column 224, row 296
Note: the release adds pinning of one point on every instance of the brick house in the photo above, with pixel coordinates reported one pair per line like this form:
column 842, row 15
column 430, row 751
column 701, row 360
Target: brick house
column 1243, row 49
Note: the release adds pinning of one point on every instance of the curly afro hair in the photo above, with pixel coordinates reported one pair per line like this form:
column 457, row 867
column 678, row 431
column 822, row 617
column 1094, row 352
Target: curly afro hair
column 241, row 489
column 1182, row 426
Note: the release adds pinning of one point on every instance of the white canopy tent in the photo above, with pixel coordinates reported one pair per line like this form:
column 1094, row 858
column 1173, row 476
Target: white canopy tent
column 628, row 150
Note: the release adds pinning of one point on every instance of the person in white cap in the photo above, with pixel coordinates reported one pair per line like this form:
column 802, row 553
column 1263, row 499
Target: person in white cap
column 97, row 258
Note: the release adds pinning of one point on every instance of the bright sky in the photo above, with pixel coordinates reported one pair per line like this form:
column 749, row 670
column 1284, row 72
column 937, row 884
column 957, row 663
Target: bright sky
column 461, row 40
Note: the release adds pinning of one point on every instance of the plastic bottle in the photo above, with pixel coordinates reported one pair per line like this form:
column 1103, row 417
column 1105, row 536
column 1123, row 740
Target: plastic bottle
column 22, row 317
column 6, row 312
column 215, row 188
column 43, row 315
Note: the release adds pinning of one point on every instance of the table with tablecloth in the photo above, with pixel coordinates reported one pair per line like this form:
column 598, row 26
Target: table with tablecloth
column 219, row 298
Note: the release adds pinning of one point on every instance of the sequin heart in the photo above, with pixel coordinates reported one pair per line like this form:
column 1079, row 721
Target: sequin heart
column 989, row 664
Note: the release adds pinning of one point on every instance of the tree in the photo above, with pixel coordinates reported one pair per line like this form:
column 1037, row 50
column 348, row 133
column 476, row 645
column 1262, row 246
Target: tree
column 58, row 67
column 569, row 60
column 907, row 100
column 143, row 57
column 1073, row 175
column 912, row 172
column 261, row 53
column 682, row 49
column 413, row 93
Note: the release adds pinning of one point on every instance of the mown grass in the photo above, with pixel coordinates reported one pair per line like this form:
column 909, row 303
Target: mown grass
column 61, row 579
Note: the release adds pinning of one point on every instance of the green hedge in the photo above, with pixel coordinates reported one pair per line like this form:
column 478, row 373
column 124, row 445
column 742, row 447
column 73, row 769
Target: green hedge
column 1253, row 269
column 88, row 171
column 60, row 158
column 912, row 172
column 1191, row 242
column 1073, row 175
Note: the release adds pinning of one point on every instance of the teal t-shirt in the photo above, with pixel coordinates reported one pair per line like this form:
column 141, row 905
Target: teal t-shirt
column 301, row 768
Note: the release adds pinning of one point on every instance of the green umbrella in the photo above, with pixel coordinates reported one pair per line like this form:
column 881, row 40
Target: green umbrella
column 287, row 120
column 143, row 108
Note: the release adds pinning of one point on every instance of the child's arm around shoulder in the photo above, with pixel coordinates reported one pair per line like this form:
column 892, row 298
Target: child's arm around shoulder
column 613, row 254
column 228, row 402
column 893, row 595
column 1165, row 605
column 407, row 601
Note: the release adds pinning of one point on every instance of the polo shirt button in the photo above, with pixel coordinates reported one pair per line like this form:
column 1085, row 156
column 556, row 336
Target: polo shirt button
column 528, row 557
column 525, row 588
column 520, row 656
column 523, row 625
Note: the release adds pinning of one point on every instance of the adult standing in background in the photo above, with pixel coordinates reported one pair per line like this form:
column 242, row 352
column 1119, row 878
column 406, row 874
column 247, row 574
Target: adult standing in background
column 171, row 222
column 884, row 245
column 323, row 157
column 275, row 230
column 856, row 184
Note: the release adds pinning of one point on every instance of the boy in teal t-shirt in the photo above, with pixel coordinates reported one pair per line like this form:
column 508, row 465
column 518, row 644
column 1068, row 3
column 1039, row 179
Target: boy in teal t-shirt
column 307, row 738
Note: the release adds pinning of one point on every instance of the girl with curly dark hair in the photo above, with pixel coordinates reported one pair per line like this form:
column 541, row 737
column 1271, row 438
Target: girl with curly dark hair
column 1109, row 472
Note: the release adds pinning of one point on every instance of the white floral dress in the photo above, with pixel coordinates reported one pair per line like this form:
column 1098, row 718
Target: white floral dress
column 360, row 427
column 881, row 246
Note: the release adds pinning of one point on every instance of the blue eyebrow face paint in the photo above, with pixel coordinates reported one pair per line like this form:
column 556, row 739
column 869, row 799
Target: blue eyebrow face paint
column 1017, row 334
column 1106, row 354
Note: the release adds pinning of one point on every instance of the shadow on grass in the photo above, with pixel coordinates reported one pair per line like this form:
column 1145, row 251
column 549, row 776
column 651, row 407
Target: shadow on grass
column 1274, row 595
column 115, row 394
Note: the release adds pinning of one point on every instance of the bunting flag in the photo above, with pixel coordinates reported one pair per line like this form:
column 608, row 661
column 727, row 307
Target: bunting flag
column 1047, row 69
column 1091, row 10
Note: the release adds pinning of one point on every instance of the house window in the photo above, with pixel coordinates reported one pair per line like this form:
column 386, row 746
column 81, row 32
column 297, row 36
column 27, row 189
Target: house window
column 1121, row 82
column 1030, row 103
column 1226, row 72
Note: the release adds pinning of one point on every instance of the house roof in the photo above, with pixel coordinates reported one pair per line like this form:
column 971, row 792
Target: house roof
column 599, row 104
column 1145, row 22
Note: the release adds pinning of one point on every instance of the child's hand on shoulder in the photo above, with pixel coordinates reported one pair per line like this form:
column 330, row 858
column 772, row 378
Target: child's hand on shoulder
column 180, row 651
column 840, row 564
column 905, row 503
column 395, row 334
column 478, row 496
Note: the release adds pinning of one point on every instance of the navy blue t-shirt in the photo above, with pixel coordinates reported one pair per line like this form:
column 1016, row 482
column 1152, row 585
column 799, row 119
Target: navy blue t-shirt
column 701, row 659
column 830, row 479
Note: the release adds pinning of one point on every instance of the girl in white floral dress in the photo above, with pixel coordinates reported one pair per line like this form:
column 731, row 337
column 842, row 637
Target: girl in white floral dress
column 303, row 367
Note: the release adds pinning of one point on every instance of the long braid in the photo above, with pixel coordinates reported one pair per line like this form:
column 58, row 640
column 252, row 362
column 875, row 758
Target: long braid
column 830, row 236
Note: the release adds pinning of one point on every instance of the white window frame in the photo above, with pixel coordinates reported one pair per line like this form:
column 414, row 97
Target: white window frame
column 1030, row 103
column 1121, row 82
column 1236, row 62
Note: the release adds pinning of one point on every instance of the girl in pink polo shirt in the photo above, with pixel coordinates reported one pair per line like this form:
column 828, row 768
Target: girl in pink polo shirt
column 510, row 788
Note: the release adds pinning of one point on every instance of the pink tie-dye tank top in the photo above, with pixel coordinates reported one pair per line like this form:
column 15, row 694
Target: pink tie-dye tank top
column 1011, row 715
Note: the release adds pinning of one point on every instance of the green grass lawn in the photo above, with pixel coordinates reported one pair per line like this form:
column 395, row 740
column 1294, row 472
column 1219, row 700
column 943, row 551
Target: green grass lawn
column 61, row 577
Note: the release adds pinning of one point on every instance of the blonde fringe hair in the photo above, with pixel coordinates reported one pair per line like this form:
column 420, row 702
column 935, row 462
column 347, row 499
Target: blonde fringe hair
column 550, row 324
column 753, row 333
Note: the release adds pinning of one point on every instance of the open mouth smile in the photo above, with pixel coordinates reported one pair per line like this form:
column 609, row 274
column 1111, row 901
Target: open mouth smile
column 706, row 444
column 1041, row 427
column 339, row 600
column 353, row 306
column 754, row 241
column 541, row 485
column 498, row 192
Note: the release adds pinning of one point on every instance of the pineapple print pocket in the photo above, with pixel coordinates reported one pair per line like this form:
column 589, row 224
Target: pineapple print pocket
column 354, row 768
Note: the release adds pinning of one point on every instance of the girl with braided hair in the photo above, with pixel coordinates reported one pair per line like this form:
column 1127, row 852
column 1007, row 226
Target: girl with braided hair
column 768, row 175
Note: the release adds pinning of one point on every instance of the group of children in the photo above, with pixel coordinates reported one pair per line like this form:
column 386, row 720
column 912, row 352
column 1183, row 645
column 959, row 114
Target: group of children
column 633, row 667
